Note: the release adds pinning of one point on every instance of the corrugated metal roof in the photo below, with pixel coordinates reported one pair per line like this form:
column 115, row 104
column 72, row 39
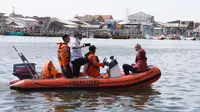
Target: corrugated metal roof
column 171, row 25
column 90, row 26
column 68, row 22
column 183, row 25
column 140, row 14
column 124, row 22
column 106, row 17
column 175, row 25
column 27, row 19
column 70, row 26
column 86, row 18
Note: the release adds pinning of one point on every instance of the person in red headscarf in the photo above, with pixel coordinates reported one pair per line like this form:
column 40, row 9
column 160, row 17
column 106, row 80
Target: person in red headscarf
column 140, row 60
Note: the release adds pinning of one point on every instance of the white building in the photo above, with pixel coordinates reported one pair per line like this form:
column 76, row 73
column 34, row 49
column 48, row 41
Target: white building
column 141, row 23
column 141, row 17
column 2, row 21
column 23, row 22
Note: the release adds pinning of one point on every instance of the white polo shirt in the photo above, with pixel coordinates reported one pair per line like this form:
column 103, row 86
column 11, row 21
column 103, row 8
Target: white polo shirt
column 76, row 53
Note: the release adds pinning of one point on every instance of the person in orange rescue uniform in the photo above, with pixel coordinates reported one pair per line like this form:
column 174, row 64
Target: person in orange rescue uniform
column 93, row 63
column 64, row 57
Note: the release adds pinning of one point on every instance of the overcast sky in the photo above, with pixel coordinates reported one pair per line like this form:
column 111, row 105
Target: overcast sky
column 163, row 10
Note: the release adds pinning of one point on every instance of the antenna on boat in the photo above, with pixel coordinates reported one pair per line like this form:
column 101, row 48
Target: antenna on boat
column 25, row 61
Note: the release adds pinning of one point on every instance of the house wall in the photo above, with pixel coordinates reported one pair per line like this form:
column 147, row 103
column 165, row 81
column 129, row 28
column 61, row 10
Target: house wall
column 141, row 17
column 27, row 23
column 190, row 24
column 100, row 19
column 157, row 31
column 43, row 23
column 2, row 21
column 175, row 30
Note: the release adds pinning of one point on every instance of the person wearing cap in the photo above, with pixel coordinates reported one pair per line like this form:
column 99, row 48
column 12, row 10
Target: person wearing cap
column 76, row 56
column 93, row 63
column 64, row 57
column 140, row 60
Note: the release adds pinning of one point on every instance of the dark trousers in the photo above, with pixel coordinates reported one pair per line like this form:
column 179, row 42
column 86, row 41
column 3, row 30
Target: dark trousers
column 127, row 68
column 67, row 72
column 77, row 63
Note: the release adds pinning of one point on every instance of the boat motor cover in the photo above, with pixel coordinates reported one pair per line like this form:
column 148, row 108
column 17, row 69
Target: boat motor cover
column 22, row 72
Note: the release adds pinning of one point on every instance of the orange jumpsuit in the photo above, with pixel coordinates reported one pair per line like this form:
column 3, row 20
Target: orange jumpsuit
column 93, row 67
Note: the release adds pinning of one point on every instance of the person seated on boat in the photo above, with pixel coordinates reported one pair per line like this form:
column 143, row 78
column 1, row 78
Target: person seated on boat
column 76, row 56
column 64, row 57
column 140, row 60
column 93, row 63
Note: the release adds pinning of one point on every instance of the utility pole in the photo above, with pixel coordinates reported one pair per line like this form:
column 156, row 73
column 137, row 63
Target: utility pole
column 127, row 13
column 13, row 11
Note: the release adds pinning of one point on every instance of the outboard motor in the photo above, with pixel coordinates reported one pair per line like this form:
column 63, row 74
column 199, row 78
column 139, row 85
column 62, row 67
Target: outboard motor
column 23, row 71
column 113, row 67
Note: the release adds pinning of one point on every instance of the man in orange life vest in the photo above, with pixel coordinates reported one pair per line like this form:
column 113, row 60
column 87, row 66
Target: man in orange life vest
column 93, row 63
column 140, row 60
column 64, row 57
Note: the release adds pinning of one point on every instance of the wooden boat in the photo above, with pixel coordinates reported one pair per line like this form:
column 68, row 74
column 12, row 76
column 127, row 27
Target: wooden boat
column 190, row 38
column 52, row 79
column 120, row 37
column 14, row 33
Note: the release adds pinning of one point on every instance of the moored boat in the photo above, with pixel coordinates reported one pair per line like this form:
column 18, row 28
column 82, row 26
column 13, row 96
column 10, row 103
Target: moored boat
column 197, row 38
column 190, row 38
column 14, row 33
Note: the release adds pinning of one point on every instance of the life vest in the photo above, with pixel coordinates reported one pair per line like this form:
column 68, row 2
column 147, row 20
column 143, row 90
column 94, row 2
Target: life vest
column 49, row 71
column 86, row 57
column 93, row 69
column 59, row 52
column 63, row 54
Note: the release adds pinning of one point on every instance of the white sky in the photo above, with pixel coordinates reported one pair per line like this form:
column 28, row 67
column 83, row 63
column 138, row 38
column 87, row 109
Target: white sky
column 163, row 10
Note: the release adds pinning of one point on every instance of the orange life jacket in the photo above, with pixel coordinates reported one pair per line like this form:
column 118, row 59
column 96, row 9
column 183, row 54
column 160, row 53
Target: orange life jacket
column 63, row 54
column 93, row 69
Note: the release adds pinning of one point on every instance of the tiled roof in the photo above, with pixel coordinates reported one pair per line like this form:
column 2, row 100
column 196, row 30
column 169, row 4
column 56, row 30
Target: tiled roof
column 106, row 17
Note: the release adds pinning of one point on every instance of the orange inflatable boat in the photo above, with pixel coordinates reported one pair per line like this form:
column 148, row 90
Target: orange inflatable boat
column 51, row 79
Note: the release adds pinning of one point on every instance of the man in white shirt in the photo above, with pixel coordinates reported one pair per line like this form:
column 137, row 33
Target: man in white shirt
column 76, row 55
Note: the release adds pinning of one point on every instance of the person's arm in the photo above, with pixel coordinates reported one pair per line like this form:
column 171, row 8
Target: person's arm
column 78, row 47
column 95, row 63
column 65, row 55
column 136, row 60
column 74, row 46
column 137, row 55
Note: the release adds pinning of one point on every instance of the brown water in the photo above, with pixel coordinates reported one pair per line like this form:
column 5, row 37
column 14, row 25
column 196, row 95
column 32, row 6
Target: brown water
column 177, row 90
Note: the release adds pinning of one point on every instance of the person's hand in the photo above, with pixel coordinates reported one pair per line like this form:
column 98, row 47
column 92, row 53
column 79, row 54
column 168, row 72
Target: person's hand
column 83, row 46
column 105, row 62
column 103, row 65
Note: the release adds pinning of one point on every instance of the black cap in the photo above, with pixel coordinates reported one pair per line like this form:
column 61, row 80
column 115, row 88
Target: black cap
column 92, row 48
column 65, row 36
